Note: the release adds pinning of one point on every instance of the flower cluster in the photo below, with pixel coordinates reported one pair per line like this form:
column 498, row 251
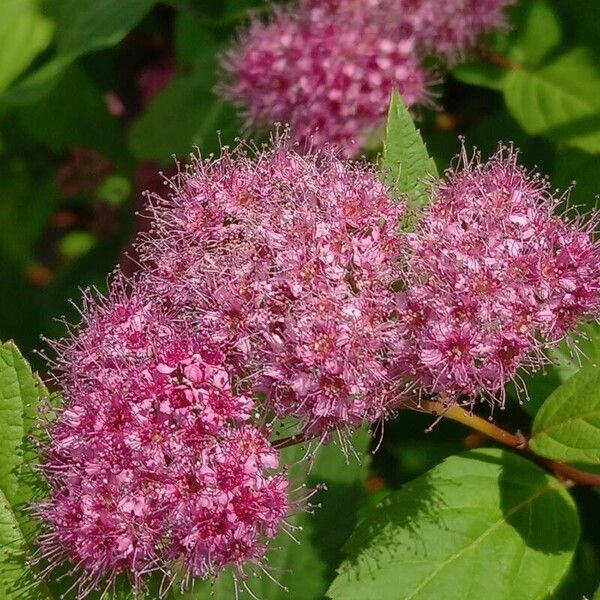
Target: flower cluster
column 327, row 68
column 276, row 285
column 329, row 75
column 288, row 261
column 452, row 29
column 265, row 289
column 153, row 460
column 496, row 276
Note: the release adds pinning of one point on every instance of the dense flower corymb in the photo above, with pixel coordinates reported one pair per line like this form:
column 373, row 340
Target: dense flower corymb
column 327, row 68
column 153, row 461
column 328, row 75
column 496, row 276
column 446, row 29
column 288, row 261
column 452, row 29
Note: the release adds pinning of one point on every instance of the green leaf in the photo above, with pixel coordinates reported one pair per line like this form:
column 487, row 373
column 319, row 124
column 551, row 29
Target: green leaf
column 36, row 85
column 86, row 25
column 584, row 574
column 82, row 26
column 560, row 100
column 75, row 244
column 406, row 164
column 17, row 581
column 114, row 190
column 73, row 113
column 24, row 33
column 16, row 388
column 26, row 212
column 196, row 116
column 20, row 393
column 190, row 39
column 480, row 73
column 537, row 32
column 567, row 426
column 564, row 364
column 183, row 115
column 484, row 517
column 574, row 165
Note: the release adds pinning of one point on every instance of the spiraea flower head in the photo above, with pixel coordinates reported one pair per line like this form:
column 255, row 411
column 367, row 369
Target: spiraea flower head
column 451, row 30
column 498, row 274
column 328, row 73
column 287, row 261
column 327, row 67
column 153, row 461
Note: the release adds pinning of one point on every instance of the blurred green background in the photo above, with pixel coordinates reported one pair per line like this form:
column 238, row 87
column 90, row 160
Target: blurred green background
column 96, row 96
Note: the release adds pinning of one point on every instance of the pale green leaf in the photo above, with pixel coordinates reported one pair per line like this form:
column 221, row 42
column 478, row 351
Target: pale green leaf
column 567, row 426
column 20, row 393
column 560, row 100
column 35, row 86
column 24, row 33
column 82, row 26
column 406, row 164
column 482, row 520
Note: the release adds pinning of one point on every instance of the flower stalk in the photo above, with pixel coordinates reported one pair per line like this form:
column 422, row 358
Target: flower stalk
column 517, row 442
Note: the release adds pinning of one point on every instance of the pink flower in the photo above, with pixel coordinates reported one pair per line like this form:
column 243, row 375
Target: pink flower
column 327, row 67
column 453, row 29
column 287, row 262
column 449, row 30
column 496, row 277
column 328, row 74
column 153, row 461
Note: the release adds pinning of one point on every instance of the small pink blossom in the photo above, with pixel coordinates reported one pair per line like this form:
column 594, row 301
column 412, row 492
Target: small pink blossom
column 327, row 67
column 454, row 28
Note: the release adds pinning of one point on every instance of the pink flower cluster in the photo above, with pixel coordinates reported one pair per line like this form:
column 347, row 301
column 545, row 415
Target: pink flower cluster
column 266, row 289
column 153, row 461
column 454, row 28
column 327, row 68
column 287, row 261
column 496, row 276
column 276, row 285
column 328, row 75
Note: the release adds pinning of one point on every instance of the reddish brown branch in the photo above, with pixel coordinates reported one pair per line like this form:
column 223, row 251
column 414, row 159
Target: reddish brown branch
column 517, row 442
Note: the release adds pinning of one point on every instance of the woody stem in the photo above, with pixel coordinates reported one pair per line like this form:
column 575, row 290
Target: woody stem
column 517, row 442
